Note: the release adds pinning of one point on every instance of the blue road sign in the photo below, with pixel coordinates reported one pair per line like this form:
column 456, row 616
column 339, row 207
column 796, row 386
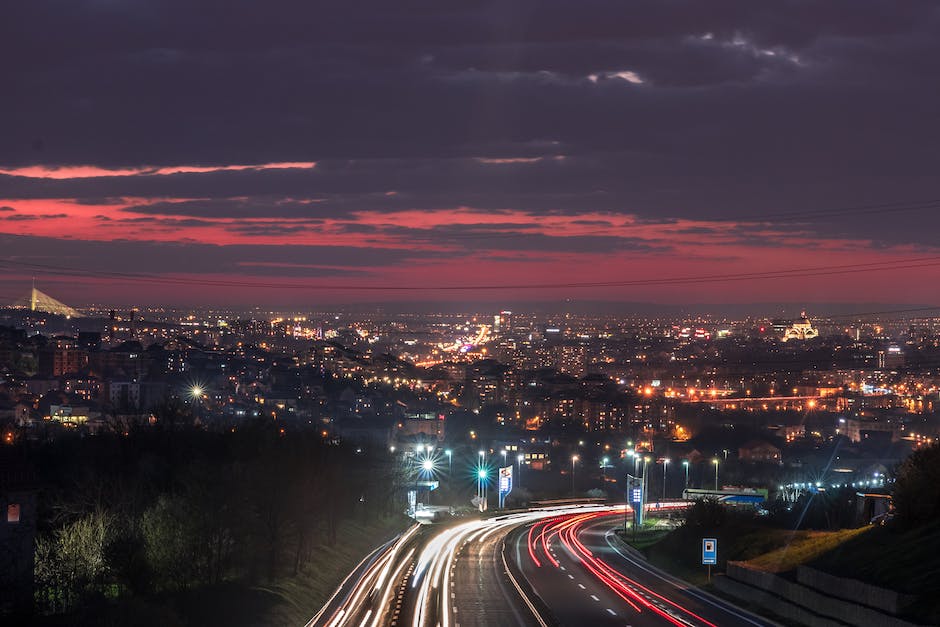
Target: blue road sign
column 637, row 495
column 709, row 551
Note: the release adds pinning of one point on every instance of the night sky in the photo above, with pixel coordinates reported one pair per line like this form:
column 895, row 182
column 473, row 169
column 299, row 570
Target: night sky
column 226, row 147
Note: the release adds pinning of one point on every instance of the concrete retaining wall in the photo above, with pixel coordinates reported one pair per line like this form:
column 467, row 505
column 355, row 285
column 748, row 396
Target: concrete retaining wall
column 853, row 590
column 772, row 603
column 828, row 607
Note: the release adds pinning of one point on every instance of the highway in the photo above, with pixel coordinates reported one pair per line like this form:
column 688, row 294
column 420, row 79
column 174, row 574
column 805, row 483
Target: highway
column 550, row 566
column 585, row 575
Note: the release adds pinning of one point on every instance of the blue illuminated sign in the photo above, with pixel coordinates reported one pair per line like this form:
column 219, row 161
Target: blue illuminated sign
column 709, row 551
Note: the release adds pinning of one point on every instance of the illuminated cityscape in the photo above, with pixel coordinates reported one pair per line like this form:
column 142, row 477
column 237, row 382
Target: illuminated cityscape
column 385, row 314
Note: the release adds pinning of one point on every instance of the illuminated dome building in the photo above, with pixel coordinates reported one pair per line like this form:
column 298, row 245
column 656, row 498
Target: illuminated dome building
column 802, row 329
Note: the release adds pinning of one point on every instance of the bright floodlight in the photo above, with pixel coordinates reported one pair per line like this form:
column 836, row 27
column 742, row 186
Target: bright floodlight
column 195, row 391
column 428, row 465
column 481, row 474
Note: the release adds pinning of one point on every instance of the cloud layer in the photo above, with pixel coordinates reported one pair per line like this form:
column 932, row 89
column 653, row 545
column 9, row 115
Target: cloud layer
column 413, row 142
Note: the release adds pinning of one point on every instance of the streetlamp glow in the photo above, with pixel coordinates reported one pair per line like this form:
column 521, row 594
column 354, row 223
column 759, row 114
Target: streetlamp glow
column 427, row 465
column 574, row 460
column 481, row 474
column 715, row 461
column 665, row 464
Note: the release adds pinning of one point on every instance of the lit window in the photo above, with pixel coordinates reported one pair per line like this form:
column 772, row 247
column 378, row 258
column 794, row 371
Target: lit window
column 13, row 513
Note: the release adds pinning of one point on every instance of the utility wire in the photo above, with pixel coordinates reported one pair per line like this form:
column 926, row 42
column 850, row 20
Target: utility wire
column 900, row 264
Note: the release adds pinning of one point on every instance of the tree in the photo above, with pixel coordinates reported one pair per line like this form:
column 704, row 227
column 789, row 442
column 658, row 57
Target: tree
column 71, row 565
column 917, row 488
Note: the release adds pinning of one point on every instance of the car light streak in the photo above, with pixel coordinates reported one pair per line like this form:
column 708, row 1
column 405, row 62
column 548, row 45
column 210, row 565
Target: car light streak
column 568, row 528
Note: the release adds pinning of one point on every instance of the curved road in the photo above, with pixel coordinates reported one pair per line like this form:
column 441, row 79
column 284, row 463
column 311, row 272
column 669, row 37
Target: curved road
column 586, row 575
column 544, row 567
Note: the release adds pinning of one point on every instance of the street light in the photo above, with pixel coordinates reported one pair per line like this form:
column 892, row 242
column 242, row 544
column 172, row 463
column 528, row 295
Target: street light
column 685, row 463
column 715, row 461
column 574, row 460
column 665, row 463
column 504, row 456
column 450, row 461
column 519, row 459
column 604, row 463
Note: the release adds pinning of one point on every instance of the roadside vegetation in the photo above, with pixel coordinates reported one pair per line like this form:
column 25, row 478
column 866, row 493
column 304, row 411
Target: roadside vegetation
column 188, row 527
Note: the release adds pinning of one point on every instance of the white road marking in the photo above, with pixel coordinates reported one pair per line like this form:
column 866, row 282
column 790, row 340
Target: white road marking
column 612, row 613
column 581, row 585
column 595, row 598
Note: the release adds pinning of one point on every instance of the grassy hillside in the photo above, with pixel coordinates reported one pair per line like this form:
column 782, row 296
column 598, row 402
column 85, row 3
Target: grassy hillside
column 908, row 562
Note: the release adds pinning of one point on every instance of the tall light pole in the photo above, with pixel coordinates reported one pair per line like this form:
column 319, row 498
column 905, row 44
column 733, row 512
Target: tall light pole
column 685, row 463
column 450, row 461
column 504, row 456
column 519, row 459
column 604, row 463
column 665, row 463
column 715, row 461
column 574, row 459
column 427, row 466
column 481, row 474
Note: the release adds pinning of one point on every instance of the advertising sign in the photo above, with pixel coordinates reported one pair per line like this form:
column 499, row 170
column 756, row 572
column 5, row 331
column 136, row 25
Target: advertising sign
column 505, row 484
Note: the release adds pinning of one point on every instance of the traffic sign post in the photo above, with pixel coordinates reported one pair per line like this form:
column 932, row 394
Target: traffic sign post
column 709, row 554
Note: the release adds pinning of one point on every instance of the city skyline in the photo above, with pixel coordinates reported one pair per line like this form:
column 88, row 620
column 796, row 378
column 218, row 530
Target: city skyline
column 155, row 154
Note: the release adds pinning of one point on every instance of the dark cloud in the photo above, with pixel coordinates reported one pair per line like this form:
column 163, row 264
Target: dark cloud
column 27, row 217
column 721, row 111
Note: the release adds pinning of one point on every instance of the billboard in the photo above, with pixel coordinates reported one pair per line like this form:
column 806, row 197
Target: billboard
column 505, row 484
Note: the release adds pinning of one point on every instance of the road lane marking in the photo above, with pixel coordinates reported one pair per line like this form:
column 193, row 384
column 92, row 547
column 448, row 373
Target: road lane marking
column 612, row 613
column 581, row 585
column 595, row 598
column 570, row 576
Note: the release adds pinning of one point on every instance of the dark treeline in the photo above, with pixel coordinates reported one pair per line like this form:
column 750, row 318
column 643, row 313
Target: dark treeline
column 163, row 512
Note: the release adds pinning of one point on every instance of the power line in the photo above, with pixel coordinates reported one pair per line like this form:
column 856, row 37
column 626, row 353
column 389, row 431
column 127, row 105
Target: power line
column 814, row 271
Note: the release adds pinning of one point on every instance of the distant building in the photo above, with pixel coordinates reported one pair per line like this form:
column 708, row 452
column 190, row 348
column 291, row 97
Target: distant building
column 858, row 428
column 421, row 423
column 759, row 451
column 801, row 329
column 502, row 322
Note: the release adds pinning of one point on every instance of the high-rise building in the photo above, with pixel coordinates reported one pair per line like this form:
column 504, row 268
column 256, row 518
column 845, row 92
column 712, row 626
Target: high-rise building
column 502, row 322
